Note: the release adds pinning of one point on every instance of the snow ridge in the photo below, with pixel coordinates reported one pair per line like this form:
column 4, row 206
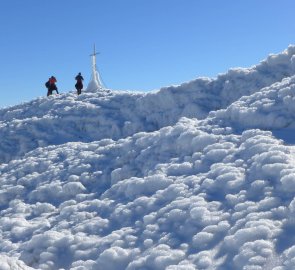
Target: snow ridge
column 110, row 114
column 189, row 177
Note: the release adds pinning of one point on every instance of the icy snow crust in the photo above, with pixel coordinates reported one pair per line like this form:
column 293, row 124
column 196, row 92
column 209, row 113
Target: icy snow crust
column 115, row 115
column 189, row 177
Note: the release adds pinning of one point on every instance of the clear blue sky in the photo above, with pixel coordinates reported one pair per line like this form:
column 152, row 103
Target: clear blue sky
column 144, row 44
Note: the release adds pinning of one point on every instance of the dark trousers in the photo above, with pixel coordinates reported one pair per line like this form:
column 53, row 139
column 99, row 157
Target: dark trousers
column 49, row 92
column 79, row 87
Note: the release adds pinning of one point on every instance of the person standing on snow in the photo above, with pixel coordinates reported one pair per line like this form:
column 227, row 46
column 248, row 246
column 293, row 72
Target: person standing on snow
column 51, row 86
column 79, row 85
column 47, row 84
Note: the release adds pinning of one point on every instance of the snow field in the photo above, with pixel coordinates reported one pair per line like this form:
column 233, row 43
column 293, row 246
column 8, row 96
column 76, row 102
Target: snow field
column 102, row 210
column 183, row 178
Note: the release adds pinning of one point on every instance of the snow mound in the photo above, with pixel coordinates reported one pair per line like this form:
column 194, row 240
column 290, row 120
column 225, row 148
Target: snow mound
column 271, row 108
column 8, row 263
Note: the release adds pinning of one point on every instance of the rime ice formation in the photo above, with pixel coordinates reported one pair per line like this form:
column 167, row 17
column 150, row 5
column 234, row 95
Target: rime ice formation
column 196, row 176
column 95, row 83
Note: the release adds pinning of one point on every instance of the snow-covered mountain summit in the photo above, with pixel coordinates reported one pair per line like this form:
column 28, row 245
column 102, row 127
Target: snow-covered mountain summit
column 115, row 115
column 194, row 176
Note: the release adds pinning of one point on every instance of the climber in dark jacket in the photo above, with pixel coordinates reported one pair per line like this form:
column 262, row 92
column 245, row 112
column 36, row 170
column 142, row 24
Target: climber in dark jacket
column 51, row 86
column 79, row 85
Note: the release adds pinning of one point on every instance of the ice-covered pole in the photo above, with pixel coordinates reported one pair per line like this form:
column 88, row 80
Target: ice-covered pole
column 95, row 83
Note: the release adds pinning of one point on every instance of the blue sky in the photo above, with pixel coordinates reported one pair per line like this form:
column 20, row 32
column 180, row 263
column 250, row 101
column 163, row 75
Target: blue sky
column 144, row 44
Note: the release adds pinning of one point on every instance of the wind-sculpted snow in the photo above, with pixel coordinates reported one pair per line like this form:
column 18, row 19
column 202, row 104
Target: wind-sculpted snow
column 183, row 178
column 12, row 263
column 115, row 115
column 271, row 108
column 177, row 198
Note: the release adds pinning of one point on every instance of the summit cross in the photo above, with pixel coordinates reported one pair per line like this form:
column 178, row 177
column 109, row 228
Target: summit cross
column 94, row 52
column 96, row 82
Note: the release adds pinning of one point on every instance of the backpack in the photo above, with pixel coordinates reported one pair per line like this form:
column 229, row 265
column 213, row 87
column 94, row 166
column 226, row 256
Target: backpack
column 47, row 84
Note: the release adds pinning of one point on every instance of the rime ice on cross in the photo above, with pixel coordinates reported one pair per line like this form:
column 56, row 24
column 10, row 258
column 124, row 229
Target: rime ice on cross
column 96, row 82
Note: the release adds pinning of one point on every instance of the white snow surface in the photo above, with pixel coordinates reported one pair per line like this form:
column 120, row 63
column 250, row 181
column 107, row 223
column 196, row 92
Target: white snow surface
column 196, row 176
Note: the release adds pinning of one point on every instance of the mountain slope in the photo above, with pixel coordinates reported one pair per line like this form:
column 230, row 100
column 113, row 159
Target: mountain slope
column 124, row 181
column 151, row 200
column 109, row 114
